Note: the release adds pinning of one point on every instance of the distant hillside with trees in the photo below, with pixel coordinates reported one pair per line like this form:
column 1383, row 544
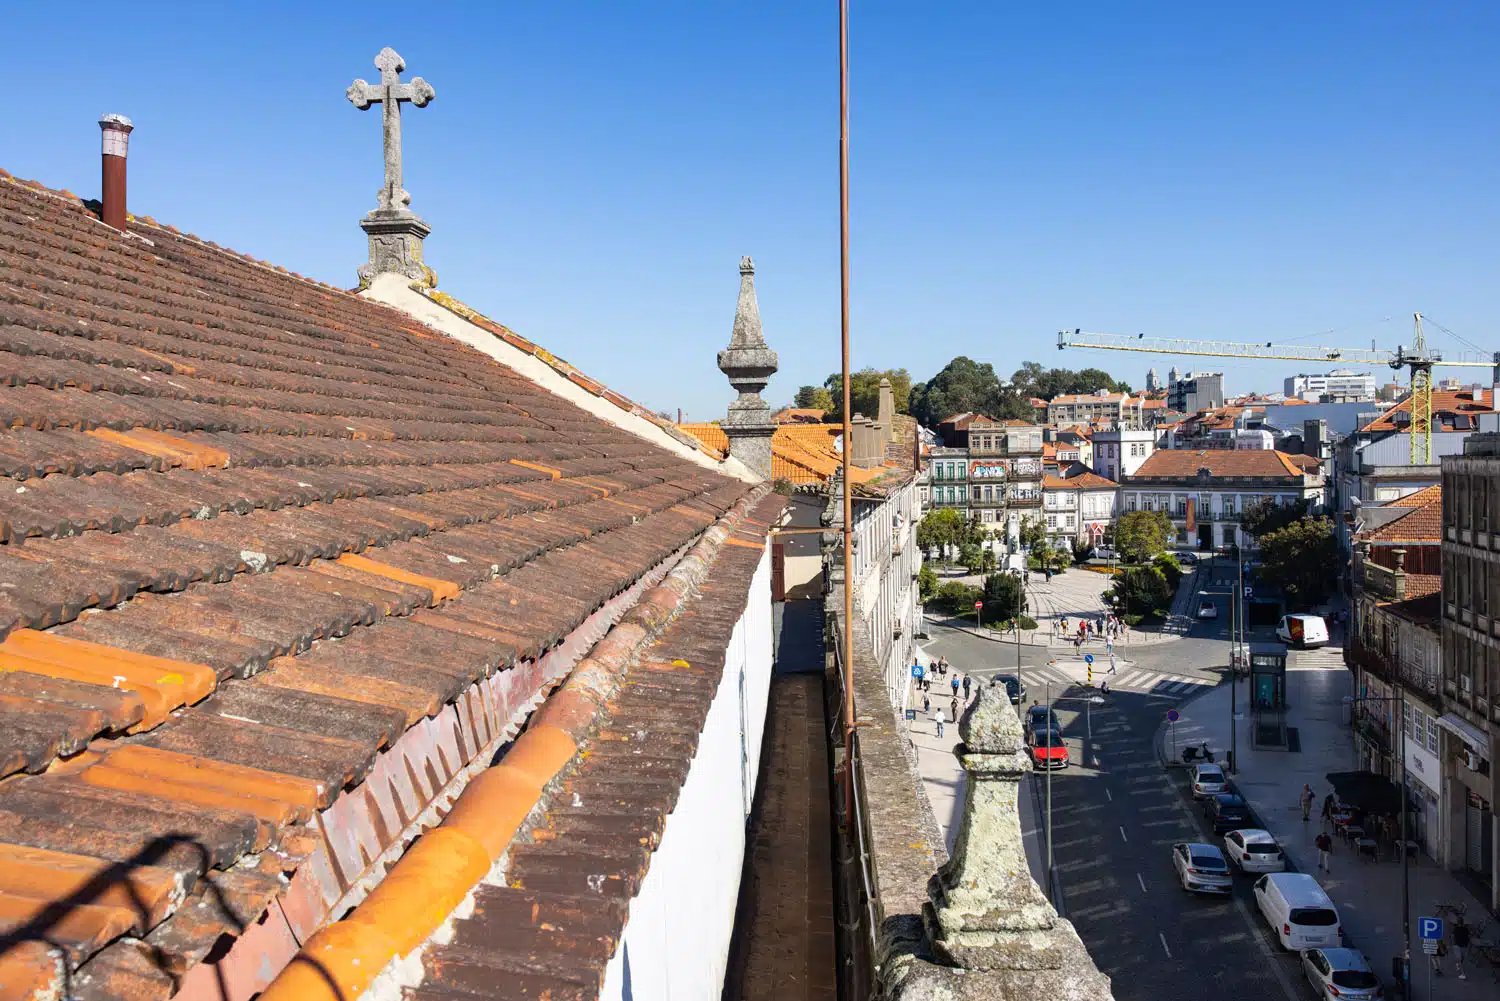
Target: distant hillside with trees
column 965, row 385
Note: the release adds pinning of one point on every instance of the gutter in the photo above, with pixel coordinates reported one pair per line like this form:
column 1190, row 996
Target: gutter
column 437, row 873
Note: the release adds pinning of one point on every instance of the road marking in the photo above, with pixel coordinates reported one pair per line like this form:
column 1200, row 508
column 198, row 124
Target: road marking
column 1122, row 833
column 1108, row 796
column 1164, row 944
column 1141, row 879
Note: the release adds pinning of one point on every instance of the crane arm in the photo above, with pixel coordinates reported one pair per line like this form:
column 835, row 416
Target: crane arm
column 1237, row 349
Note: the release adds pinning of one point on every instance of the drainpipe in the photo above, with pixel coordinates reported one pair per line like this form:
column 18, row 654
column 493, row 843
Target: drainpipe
column 115, row 145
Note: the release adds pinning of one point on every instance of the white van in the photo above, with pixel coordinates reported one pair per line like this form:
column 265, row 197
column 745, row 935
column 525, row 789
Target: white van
column 1306, row 631
column 1298, row 911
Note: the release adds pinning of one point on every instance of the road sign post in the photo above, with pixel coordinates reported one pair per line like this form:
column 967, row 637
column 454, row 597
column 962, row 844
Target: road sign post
column 978, row 614
column 1088, row 659
column 1172, row 717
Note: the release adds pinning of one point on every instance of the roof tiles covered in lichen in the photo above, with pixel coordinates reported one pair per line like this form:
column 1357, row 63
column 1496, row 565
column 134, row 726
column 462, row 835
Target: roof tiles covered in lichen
column 256, row 532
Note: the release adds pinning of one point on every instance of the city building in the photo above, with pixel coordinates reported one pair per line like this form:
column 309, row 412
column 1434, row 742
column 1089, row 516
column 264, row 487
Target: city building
column 1005, row 474
column 1338, row 386
column 1079, row 506
column 1204, row 491
column 1101, row 407
column 1471, row 658
column 954, row 430
column 950, row 478
column 1197, row 391
column 1120, row 452
column 1395, row 653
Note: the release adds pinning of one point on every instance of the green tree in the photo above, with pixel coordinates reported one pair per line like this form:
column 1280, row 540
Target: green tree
column 864, row 391
column 971, row 556
column 1140, row 535
column 1033, row 532
column 813, row 398
column 1170, row 569
column 956, row 598
column 1138, row 592
column 927, row 582
column 1004, row 597
column 940, row 529
column 1302, row 557
column 1267, row 515
column 963, row 385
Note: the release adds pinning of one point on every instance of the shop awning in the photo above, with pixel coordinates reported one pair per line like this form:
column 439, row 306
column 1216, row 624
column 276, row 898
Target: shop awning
column 1467, row 732
column 1366, row 792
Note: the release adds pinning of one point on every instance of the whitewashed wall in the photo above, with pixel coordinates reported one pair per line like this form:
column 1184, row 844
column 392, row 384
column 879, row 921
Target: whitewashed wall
column 676, row 941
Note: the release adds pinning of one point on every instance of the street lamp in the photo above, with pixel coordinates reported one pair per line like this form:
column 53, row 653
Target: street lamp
column 1089, row 702
column 1400, row 699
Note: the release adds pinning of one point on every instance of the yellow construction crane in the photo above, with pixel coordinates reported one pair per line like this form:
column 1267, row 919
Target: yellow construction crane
column 1420, row 359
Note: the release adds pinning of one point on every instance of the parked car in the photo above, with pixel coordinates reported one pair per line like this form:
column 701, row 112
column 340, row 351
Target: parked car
column 1048, row 750
column 1105, row 553
column 1201, row 868
column 1227, row 812
column 1305, row 631
column 1041, row 718
column 1254, row 850
column 1208, row 780
column 1186, row 559
column 1340, row 974
column 1207, row 609
column 1013, row 687
column 1298, row 911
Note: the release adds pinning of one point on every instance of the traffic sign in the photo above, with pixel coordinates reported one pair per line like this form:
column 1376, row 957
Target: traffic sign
column 1088, row 658
column 1430, row 929
column 1429, row 946
column 918, row 671
column 1173, row 715
column 1249, row 591
column 978, row 604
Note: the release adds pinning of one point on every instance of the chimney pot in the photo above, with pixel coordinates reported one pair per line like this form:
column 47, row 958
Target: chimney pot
column 115, row 147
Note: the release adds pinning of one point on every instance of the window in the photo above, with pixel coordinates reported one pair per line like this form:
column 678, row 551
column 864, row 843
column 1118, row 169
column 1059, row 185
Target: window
column 1432, row 734
column 1051, row 521
column 1070, row 521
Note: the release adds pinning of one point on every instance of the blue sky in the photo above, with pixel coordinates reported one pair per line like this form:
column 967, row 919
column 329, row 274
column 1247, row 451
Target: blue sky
column 593, row 171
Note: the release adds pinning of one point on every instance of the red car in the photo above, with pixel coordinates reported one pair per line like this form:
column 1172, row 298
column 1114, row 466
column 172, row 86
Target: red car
column 1048, row 750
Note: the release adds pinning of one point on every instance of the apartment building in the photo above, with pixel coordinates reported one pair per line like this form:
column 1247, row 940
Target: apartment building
column 1471, row 655
column 1079, row 506
column 1122, row 451
column 1088, row 408
column 1340, row 384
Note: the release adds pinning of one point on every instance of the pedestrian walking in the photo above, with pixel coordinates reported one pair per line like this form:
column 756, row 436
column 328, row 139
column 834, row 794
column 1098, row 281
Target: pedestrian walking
column 1436, row 958
column 1111, row 661
column 953, row 709
column 926, row 704
column 1460, row 946
column 939, row 720
column 1328, row 812
column 954, row 683
column 966, row 688
column 1307, row 802
column 1323, row 841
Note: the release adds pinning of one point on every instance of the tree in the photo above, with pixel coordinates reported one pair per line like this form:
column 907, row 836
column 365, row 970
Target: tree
column 813, row 398
column 1302, row 558
column 971, row 556
column 1004, row 597
column 864, row 392
column 927, row 582
column 1138, row 592
column 1267, row 515
column 1033, row 532
column 940, row 529
column 1140, row 535
column 963, row 385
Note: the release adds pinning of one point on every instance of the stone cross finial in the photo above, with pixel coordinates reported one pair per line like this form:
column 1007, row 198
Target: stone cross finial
column 749, row 364
column 390, row 94
column 395, row 232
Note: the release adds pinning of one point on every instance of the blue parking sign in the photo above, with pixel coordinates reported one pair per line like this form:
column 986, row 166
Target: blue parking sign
column 917, row 671
column 1430, row 928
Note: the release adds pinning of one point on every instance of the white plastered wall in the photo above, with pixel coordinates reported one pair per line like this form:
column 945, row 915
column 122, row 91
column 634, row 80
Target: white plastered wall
column 396, row 291
column 676, row 941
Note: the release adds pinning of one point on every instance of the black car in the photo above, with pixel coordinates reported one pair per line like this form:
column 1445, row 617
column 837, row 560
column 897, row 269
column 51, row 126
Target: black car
column 1227, row 812
column 1012, row 687
column 1041, row 718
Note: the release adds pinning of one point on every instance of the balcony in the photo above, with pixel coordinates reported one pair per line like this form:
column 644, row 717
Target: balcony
column 1372, row 727
column 1024, row 501
column 1392, row 670
column 993, row 501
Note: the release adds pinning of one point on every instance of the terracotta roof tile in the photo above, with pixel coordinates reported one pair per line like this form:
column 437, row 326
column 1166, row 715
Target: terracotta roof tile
column 1420, row 524
column 1179, row 463
column 1445, row 405
column 270, row 528
column 1419, row 498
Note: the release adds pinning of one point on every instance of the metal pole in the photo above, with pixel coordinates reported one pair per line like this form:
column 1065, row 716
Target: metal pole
column 1016, row 621
column 1049, row 786
column 1238, row 643
column 848, row 622
column 1088, row 716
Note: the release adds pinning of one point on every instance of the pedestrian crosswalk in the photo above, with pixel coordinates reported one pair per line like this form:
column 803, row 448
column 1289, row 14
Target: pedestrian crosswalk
column 1127, row 678
column 1324, row 658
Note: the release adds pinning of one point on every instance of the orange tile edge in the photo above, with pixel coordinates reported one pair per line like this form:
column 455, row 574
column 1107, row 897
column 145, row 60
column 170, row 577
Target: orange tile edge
column 441, row 589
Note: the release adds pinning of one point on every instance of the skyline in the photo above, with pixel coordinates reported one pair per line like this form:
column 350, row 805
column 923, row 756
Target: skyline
column 592, row 182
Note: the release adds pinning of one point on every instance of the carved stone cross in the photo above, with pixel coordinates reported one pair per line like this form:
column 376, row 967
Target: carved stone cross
column 389, row 94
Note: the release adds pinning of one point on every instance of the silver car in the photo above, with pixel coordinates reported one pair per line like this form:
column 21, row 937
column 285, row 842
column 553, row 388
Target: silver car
column 1341, row 974
column 1208, row 780
column 1201, row 868
column 1254, row 850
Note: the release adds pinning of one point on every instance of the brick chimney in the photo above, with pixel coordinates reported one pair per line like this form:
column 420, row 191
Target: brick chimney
column 115, row 146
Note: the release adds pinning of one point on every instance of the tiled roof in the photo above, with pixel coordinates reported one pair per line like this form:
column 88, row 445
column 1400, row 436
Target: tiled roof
column 1310, row 463
column 799, row 415
column 800, row 453
column 1243, row 463
column 261, row 536
column 1078, row 477
column 962, row 421
column 1445, row 403
column 1423, row 602
column 1420, row 524
column 1071, row 398
column 1419, row 498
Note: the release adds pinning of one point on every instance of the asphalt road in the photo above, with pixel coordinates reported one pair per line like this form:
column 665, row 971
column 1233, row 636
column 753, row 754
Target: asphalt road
column 1117, row 812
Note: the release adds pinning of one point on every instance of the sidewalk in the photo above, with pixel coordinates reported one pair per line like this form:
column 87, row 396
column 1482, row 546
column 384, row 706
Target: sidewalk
column 1367, row 894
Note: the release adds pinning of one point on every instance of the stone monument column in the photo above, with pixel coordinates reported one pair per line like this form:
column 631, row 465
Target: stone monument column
column 749, row 364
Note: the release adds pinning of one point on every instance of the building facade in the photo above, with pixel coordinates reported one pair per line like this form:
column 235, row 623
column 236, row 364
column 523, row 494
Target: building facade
column 1338, row 386
column 1119, row 453
column 1088, row 408
column 1079, row 506
column 1005, row 475
column 1198, row 391
column 1204, row 491
column 1471, row 655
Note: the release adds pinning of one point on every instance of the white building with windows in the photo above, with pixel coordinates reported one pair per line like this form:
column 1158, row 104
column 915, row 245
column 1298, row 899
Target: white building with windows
column 1340, row 384
column 1204, row 491
column 1079, row 506
column 1120, row 452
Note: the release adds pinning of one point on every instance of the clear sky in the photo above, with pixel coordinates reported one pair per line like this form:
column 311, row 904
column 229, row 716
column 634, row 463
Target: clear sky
column 593, row 171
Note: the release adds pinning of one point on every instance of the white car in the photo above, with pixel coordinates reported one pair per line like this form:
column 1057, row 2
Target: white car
column 1105, row 553
column 1207, row 610
column 1201, row 868
column 1254, row 850
column 1341, row 974
column 1208, row 780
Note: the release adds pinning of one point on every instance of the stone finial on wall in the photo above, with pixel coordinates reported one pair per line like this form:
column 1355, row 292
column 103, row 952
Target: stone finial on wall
column 749, row 364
